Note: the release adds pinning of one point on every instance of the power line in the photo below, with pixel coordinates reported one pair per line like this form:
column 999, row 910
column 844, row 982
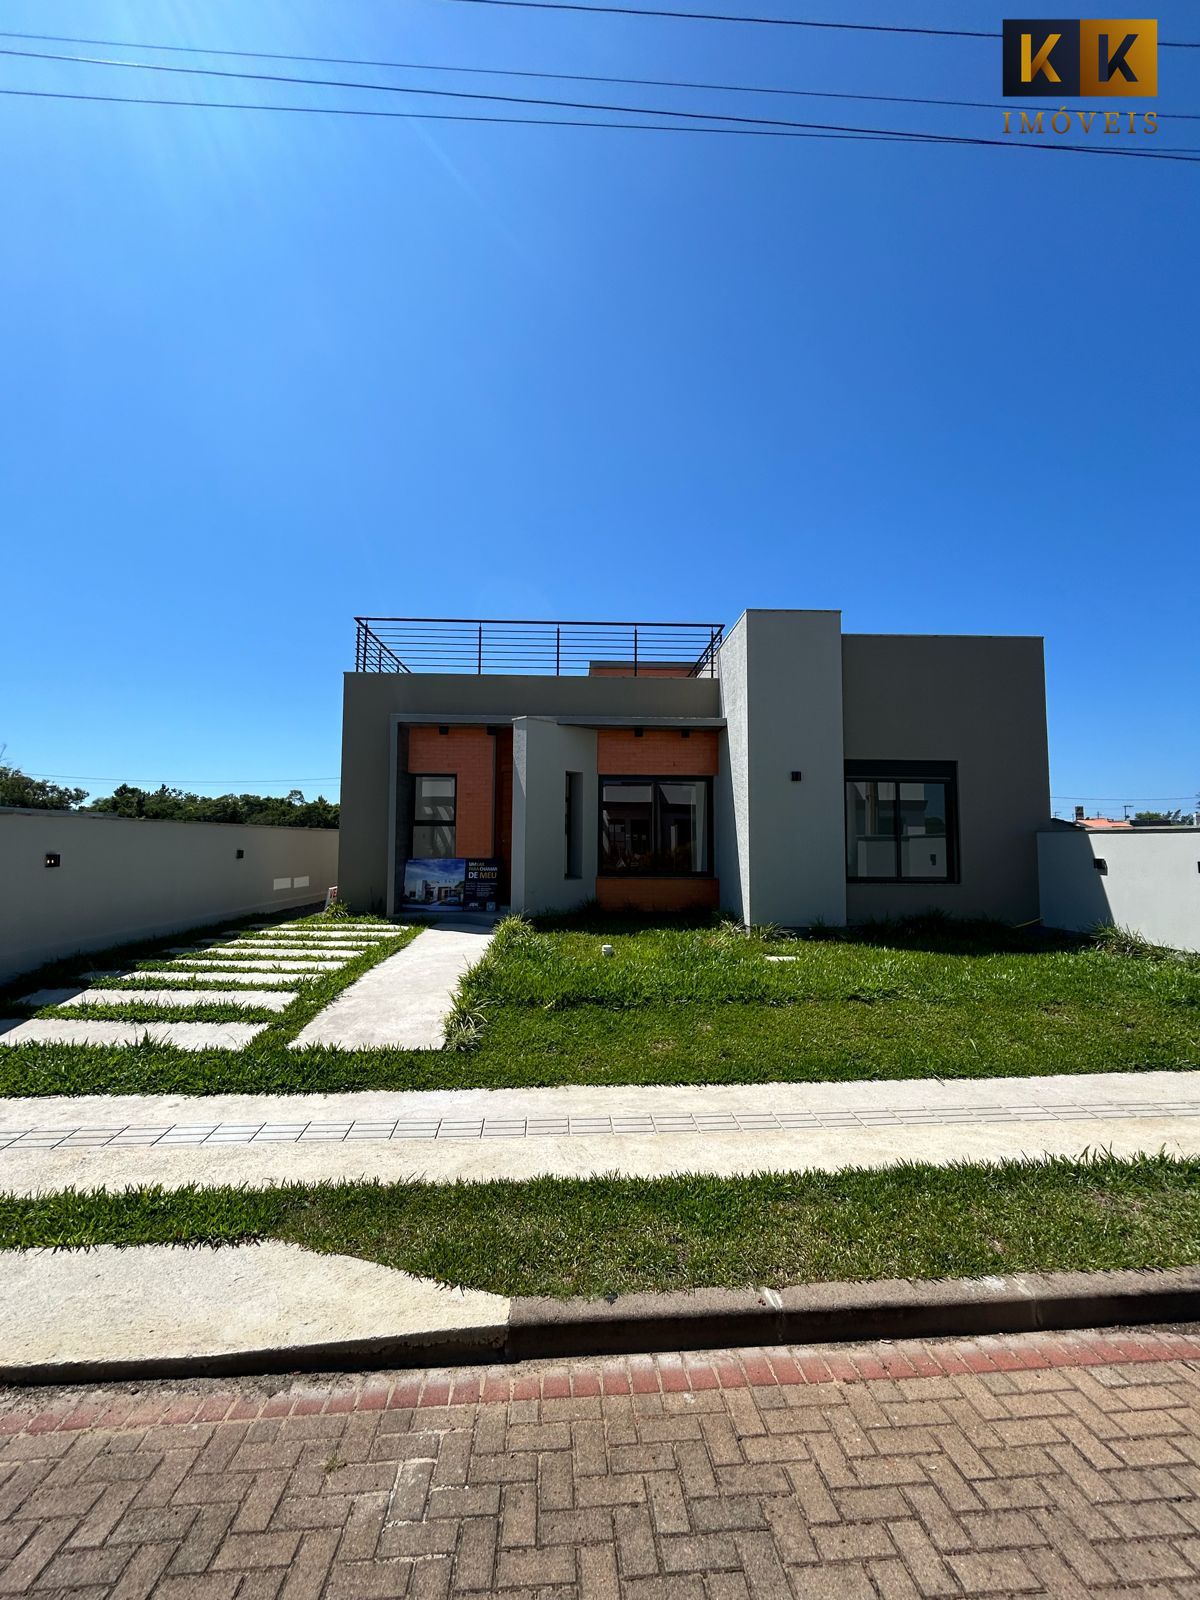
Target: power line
column 695, row 121
column 1122, row 799
column 767, row 22
column 444, row 116
column 559, row 77
column 91, row 777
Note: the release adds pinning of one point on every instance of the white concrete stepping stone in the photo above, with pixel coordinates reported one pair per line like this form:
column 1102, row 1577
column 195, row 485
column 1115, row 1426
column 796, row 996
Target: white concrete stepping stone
column 317, row 946
column 263, row 998
column 251, row 975
column 183, row 1035
column 208, row 958
column 250, row 944
column 282, row 967
column 236, row 947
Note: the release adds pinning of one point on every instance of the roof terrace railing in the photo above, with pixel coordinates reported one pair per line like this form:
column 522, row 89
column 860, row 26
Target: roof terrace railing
column 489, row 645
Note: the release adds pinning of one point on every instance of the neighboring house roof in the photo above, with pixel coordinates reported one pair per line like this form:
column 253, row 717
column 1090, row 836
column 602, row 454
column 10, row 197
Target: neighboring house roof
column 1104, row 822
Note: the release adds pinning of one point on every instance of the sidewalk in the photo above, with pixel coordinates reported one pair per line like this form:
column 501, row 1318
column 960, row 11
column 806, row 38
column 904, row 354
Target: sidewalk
column 1057, row 1467
column 580, row 1131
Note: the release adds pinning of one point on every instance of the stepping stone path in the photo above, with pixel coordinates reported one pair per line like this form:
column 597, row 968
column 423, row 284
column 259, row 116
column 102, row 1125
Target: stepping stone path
column 260, row 999
column 183, row 1035
column 285, row 954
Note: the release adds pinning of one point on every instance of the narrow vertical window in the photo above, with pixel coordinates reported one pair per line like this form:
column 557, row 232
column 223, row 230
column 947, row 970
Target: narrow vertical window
column 573, row 825
column 434, row 811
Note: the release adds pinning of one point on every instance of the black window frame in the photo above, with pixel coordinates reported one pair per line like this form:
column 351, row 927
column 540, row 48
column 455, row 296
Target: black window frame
column 418, row 822
column 943, row 772
column 654, row 779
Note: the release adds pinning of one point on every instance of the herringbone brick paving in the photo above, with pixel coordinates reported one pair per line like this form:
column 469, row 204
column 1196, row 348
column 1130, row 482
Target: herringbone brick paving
column 1063, row 1467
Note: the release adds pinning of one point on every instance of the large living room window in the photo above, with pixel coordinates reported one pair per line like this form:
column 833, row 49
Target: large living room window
column 901, row 822
column 655, row 826
column 434, row 809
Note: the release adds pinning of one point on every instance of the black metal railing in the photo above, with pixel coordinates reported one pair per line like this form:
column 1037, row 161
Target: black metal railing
column 477, row 645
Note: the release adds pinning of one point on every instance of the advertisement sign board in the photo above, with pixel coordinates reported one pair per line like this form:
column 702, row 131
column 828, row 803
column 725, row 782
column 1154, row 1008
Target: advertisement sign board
column 454, row 883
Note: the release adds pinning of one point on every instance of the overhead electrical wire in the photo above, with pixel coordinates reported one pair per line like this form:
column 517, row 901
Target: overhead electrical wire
column 698, row 120
column 579, row 122
column 765, row 22
column 559, row 77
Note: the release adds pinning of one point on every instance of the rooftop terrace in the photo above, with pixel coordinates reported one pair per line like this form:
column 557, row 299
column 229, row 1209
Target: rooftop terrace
column 553, row 649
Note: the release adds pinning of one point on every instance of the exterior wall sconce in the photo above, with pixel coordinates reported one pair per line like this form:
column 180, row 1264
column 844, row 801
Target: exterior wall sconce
column 53, row 859
column 639, row 733
column 240, row 854
column 1101, row 866
column 443, row 730
column 795, row 777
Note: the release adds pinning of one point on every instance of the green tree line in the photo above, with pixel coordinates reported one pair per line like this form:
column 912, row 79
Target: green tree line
column 170, row 805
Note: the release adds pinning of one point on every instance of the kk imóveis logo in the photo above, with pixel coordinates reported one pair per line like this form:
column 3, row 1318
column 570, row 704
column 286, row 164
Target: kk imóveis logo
column 1070, row 59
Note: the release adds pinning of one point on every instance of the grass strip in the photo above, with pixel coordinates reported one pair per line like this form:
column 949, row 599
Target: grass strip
column 605, row 1235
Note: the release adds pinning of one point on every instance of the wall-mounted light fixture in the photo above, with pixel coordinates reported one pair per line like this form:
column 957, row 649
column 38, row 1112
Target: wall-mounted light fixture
column 443, row 729
column 1101, row 866
column 240, row 854
column 639, row 733
column 53, row 859
column 796, row 777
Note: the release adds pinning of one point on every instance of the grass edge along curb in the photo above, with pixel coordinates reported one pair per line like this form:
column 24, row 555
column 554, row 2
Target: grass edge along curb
column 568, row 1237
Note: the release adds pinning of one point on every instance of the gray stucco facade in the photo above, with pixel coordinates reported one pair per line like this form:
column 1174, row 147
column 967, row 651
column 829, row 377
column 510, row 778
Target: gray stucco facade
column 791, row 695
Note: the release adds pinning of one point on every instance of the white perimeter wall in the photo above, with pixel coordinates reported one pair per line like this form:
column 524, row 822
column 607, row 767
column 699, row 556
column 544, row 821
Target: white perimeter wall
column 124, row 878
column 1152, row 884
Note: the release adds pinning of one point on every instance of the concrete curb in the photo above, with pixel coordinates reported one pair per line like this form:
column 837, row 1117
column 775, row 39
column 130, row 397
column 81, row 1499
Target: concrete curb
column 706, row 1319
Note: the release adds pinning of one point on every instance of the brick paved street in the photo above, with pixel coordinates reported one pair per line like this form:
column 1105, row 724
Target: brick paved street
column 1058, row 1465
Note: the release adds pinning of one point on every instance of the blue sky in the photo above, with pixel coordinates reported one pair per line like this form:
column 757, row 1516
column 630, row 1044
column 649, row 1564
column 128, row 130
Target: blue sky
column 264, row 372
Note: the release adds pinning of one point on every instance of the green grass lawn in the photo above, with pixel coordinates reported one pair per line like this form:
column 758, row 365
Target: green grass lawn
column 607, row 1236
column 927, row 998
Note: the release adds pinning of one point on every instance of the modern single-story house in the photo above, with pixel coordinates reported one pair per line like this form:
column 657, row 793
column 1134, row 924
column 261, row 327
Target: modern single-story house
column 780, row 769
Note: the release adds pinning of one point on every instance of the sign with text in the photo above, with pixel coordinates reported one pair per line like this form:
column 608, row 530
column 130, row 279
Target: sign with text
column 1074, row 58
column 453, row 883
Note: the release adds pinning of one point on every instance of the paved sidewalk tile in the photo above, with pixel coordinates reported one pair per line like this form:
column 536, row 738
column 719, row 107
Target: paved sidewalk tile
column 732, row 1475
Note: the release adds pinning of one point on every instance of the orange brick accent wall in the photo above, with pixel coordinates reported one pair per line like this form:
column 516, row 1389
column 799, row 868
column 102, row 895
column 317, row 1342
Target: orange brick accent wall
column 647, row 669
column 657, row 894
column 659, row 753
column 469, row 754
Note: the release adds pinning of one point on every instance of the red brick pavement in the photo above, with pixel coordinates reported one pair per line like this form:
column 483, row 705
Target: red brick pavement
column 1064, row 1465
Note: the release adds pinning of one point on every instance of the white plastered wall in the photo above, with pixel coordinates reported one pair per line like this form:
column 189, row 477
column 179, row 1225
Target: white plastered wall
column 543, row 753
column 781, row 695
column 121, row 879
column 1152, row 884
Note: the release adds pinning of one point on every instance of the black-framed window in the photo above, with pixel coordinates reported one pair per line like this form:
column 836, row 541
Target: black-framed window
column 656, row 826
column 901, row 822
column 435, row 805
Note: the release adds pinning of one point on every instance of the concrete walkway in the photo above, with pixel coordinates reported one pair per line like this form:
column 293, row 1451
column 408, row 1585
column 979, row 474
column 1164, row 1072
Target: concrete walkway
column 580, row 1131
column 404, row 1001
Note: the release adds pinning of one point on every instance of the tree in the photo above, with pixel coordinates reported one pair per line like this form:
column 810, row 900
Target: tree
column 1160, row 819
column 18, row 789
column 175, row 805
